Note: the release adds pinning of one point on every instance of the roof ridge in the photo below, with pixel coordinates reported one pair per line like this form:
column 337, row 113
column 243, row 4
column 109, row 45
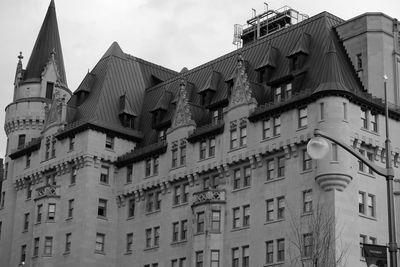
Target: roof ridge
column 143, row 61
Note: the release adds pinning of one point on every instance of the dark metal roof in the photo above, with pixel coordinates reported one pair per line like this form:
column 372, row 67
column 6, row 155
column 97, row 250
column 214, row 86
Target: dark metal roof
column 47, row 41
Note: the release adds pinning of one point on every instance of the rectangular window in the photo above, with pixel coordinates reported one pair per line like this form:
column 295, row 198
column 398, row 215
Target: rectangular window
column 131, row 208
column 307, row 201
column 175, row 231
column 281, row 250
column 184, row 229
column 104, row 175
column 234, row 141
column 215, row 116
column 307, row 161
column 148, row 237
column 129, row 242
column 270, row 169
column 156, row 236
column 302, row 117
column 235, row 257
column 2, row 199
column 277, row 125
column 147, row 163
column 53, row 148
column 73, row 175
column 26, row 222
column 270, row 210
column 70, row 208
column 36, row 242
column 277, row 94
column 245, row 256
column 177, row 195
column 203, row 149
column 371, row 205
column 100, row 242
column 334, row 152
column 155, row 165
column 345, row 111
column 29, row 191
column 48, row 245
column 266, row 129
column 157, row 201
column 281, row 166
column 307, row 245
column 174, row 162
column 370, row 157
column 129, row 171
column 211, row 147
column 150, row 202
column 71, row 143
column 109, row 142
column 372, row 240
column 21, row 140
column 243, row 136
column 185, row 196
column 39, row 213
column 49, row 90
column 102, row 208
column 51, row 212
column 216, row 221
column 67, row 242
column 321, row 111
column 236, row 217
column 359, row 62
column 199, row 259
column 200, row 222
column 1, row 225
column 236, row 179
column 281, row 208
column 364, row 119
column 363, row 240
column 288, row 91
column 23, row 255
column 247, row 177
column 183, row 155
column 47, row 149
column 270, row 251
column 246, row 216
column 361, row 202
column 214, row 258
column 28, row 160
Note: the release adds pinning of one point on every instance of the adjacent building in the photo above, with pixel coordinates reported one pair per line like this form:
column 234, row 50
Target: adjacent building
column 145, row 166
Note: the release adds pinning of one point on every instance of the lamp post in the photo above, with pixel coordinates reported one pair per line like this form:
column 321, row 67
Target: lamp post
column 317, row 148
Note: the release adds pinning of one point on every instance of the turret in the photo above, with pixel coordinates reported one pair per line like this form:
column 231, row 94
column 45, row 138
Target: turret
column 36, row 86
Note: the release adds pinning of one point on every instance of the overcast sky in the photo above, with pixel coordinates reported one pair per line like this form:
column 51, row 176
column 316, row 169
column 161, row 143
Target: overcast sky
column 171, row 33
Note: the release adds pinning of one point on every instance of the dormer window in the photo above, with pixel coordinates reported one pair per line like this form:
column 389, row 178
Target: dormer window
column 216, row 116
column 294, row 63
column 282, row 92
column 49, row 90
column 277, row 94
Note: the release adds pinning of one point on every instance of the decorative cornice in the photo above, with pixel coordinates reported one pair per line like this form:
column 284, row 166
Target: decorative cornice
column 33, row 145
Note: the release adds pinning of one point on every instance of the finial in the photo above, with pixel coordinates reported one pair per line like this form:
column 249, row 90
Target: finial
column 53, row 52
column 20, row 57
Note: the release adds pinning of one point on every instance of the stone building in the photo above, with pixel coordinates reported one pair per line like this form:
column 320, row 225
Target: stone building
column 145, row 166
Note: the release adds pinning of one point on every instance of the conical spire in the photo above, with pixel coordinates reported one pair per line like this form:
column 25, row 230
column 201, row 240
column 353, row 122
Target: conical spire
column 114, row 50
column 48, row 41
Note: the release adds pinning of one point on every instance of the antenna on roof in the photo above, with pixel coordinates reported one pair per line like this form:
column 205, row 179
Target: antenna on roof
column 265, row 7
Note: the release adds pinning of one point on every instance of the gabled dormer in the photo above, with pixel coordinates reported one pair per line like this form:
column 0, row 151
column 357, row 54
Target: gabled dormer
column 210, row 86
column 126, row 114
column 84, row 88
column 268, row 64
column 160, row 109
column 298, row 55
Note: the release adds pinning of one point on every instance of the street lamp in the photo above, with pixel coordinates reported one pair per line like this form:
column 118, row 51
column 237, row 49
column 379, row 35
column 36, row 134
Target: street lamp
column 317, row 148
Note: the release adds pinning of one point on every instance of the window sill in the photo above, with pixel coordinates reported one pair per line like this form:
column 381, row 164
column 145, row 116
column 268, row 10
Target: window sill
column 281, row 263
column 71, row 185
column 274, row 221
column 67, row 253
column 177, row 243
column 209, row 157
column 102, row 218
column 128, row 253
column 99, row 252
column 109, row 149
column 27, row 199
column 304, row 214
column 367, row 217
column 50, row 221
column 199, row 233
column 151, row 248
column 306, row 171
column 25, row 231
column 274, row 180
column 148, row 213
column 270, row 138
column 302, row 128
column 105, row 184
column 37, row 223
column 369, row 131
column 128, row 183
column 46, row 255
column 240, row 189
column 176, row 167
column 180, row 205
column 240, row 228
column 236, row 148
column 69, row 219
column 366, row 174
column 130, row 218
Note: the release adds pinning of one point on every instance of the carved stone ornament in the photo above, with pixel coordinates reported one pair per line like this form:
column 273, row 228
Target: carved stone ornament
column 241, row 91
column 182, row 113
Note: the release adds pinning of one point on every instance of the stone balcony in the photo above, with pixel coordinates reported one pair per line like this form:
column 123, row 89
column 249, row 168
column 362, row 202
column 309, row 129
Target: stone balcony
column 48, row 191
column 208, row 196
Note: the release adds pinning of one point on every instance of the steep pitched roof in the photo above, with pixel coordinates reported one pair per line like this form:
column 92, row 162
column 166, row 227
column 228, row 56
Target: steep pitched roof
column 116, row 74
column 47, row 41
